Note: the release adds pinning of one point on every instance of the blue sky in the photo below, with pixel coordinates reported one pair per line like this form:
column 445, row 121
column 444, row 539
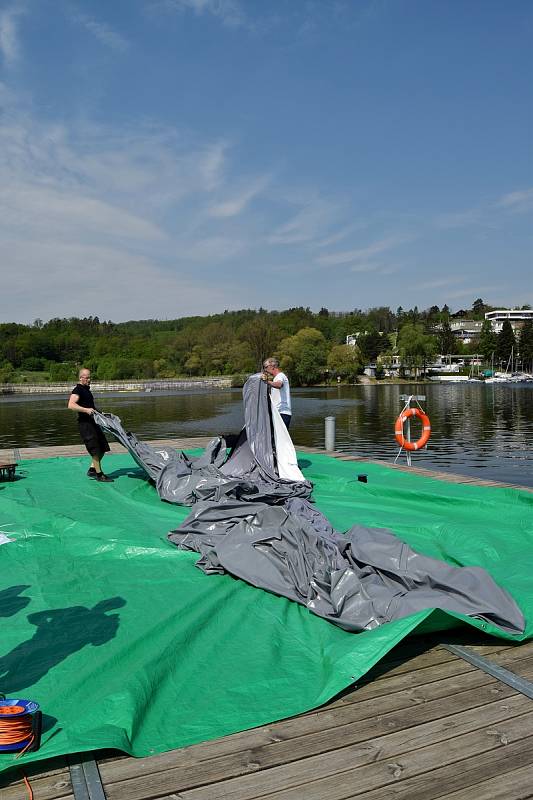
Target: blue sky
column 162, row 158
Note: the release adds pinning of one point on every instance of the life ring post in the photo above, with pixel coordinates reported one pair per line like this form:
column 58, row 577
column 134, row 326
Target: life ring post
column 406, row 414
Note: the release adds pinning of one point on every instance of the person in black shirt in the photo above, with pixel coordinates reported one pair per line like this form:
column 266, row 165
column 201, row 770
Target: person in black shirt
column 82, row 401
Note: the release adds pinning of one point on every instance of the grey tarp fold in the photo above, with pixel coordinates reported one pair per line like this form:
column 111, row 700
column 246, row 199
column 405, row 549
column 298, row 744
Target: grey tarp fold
column 247, row 521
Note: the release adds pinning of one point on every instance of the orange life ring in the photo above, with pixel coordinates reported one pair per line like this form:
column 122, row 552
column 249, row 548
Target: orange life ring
column 426, row 429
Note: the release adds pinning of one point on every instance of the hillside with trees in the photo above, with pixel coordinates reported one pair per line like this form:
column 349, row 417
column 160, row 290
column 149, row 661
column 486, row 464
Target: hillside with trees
column 311, row 346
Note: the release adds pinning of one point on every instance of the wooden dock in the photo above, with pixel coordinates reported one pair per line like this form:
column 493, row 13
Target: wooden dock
column 423, row 724
column 446, row 716
column 71, row 450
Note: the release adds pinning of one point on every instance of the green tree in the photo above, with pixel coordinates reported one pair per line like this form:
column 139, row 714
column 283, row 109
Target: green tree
column 487, row 341
column 61, row 372
column 433, row 314
column 7, row 372
column 525, row 345
column 303, row 356
column 446, row 339
column 261, row 336
column 345, row 360
column 372, row 344
column 193, row 365
column 506, row 342
column 478, row 307
column 416, row 347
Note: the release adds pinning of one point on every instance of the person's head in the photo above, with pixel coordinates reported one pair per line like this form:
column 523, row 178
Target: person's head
column 271, row 365
column 85, row 376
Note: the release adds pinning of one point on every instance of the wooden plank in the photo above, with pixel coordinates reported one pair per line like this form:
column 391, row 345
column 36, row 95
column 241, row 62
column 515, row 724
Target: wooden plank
column 314, row 744
column 509, row 782
column 366, row 765
column 465, row 776
column 50, row 785
column 449, row 477
column 41, row 769
column 327, row 717
column 428, row 761
column 201, row 441
column 504, row 779
column 404, row 685
column 402, row 660
column 521, row 666
column 78, row 449
column 438, row 672
column 489, row 666
column 398, row 692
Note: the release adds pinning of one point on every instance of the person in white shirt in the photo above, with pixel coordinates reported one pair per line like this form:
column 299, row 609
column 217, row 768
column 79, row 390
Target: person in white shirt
column 281, row 392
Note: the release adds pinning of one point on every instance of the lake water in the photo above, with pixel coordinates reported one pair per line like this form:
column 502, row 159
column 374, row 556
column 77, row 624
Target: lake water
column 480, row 430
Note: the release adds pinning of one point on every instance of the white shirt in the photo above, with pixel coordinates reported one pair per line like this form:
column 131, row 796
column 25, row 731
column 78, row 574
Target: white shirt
column 281, row 398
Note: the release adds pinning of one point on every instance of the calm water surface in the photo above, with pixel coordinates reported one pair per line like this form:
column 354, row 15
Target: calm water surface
column 478, row 430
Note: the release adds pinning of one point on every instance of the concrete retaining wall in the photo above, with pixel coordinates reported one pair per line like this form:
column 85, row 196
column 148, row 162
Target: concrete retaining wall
column 117, row 386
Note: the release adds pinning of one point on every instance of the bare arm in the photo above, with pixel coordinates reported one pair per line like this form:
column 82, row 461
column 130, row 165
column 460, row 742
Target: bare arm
column 73, row 405
column 276, row 384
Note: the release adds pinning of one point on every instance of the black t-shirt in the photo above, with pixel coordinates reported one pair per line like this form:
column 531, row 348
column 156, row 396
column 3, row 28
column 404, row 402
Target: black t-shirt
column 86, row 400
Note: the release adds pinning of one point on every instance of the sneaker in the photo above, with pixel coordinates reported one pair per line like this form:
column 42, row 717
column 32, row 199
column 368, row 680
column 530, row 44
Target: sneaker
column 91, row 472
column 101, row 478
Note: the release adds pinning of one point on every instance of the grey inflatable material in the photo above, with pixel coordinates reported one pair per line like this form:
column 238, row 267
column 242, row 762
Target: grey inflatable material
column 248, row 474
column 247, row 522
column 358, row 580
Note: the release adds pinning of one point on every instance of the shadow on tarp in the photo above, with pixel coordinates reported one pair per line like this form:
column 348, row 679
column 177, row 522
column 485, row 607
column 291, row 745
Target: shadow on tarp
column 132, row 472
column 10, row 602
column 60, row 633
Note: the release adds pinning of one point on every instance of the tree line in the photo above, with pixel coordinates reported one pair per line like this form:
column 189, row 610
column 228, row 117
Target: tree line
column 311, row 346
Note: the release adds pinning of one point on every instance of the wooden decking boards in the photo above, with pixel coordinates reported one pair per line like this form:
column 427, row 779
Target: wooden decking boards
column 71, row 450
column 423, row 724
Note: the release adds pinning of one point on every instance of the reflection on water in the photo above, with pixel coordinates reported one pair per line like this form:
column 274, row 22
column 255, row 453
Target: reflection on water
column 485, row 431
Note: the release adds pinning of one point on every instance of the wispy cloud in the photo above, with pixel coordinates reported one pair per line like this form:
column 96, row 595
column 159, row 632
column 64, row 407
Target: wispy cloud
column 212, row 164
column 518, row 201
column 459, row 219
column 312, row 221
column 485, row 215
column 229, row 12
column 237, row 202
column 341, row 234
column 101, row 31
column 118, row 217
column 9, row 41
column 69, row 212
column 111, row 282
column 440, row 283
column 363, row 253
column 365, row 267
column 475, row 291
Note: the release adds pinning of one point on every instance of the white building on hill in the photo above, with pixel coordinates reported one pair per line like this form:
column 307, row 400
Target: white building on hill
column 516, row 316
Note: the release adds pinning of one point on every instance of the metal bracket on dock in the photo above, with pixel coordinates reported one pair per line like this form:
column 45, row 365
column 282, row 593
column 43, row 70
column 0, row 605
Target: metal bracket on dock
column 504, row 675
column 85, row 778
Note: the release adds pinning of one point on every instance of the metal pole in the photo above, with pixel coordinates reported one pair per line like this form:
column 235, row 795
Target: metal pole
column 329, row 433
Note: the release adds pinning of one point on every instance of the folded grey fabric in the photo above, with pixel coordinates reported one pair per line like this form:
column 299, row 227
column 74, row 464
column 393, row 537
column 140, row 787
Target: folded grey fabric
column 247, row 521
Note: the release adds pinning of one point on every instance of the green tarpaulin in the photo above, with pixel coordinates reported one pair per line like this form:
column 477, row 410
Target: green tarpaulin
column 125, row 644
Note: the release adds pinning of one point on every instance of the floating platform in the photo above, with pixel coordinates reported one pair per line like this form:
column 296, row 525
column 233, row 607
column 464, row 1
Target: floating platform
column 444, row 714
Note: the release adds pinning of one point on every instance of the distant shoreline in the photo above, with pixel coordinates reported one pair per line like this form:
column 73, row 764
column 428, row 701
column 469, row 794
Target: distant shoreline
column 119, row 386
column 220, row 382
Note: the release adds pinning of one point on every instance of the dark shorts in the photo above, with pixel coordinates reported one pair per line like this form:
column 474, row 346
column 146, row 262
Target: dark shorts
column 93, row 438
column 286, row 419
